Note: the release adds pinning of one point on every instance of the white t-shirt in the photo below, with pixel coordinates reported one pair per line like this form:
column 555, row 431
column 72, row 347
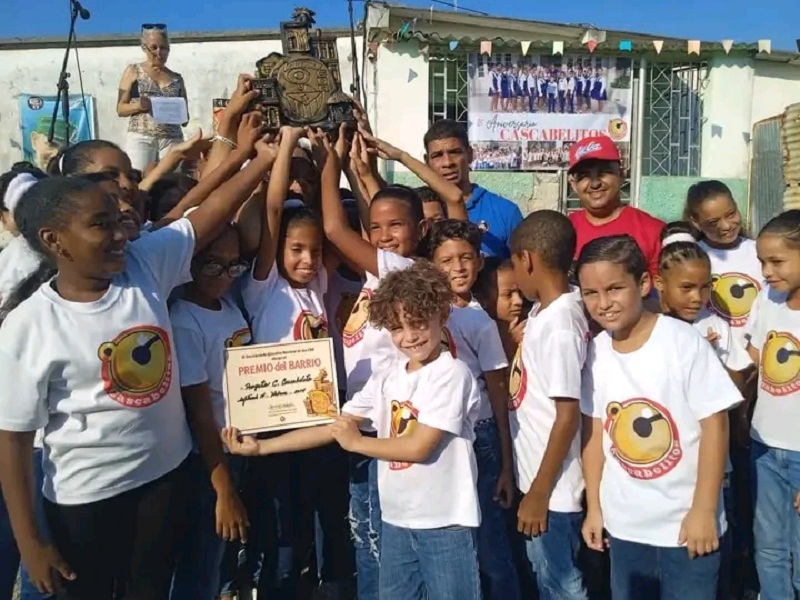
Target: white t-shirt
column 472, row 336
column 367, row 349
column 18, row 261
column 651, row 402
column 440, row 492
column 736, row 280
column 102, row 377
column 280, row 313
column 339, row 301
column 729, row 351
column 548, row 365
column 775, row 332
column 201, row 336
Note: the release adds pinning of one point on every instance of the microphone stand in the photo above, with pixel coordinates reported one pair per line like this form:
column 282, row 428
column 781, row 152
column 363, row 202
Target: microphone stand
column 62, row 95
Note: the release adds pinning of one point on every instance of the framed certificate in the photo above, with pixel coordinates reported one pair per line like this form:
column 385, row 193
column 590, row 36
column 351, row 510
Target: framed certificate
column 271, row 387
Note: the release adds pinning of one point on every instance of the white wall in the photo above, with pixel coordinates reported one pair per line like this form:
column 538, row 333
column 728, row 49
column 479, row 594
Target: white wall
column 210, row 70
column 775, row 87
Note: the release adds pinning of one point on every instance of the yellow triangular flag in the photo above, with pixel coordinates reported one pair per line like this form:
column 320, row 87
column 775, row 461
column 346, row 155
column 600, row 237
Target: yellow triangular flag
column 765, row 46
column 486, row 47
column 524, row 47
column 558, row 47
column 727, row 45
column 658, row 45
column 694, row 46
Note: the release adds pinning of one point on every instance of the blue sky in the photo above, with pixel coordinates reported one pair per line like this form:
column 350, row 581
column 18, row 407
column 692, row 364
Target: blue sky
column 712, row 20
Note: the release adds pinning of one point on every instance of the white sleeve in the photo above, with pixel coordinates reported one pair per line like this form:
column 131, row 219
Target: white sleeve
column 732, row 353
column 591, row 405
column 563, row 357
column 363, row 402
column 489, row 348
column 390, row 261
column 256, row 293
column 708, row 388
column 168, row 252
column 449, row 400
column 191, row 351
column 25, row 374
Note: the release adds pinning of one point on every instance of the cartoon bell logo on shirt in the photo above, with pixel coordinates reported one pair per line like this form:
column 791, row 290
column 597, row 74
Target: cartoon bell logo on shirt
column 136, row 366
column 404, row 420
column 347, row 302
column 354, row 328
column 644, row 439
column 517, row 381
column 240, row 337
column 309, row 326
column 780, row 364
column 732, row 296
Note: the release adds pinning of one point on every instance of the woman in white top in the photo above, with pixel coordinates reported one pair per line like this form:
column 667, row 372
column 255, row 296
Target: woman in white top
column 92, row 361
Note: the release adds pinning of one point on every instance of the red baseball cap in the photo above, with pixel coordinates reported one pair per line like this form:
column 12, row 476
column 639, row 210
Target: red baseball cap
column 601, row 147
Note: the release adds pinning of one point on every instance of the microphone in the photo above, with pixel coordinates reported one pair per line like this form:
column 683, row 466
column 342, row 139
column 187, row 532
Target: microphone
column 85, row 14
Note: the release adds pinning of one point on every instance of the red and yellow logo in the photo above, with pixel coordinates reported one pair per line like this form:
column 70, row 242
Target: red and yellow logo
column 780, row 364
column 404, row 420
column 732, row 296
column 240, row 337
column 309, row 326
column 517, row 381
column 353, row 331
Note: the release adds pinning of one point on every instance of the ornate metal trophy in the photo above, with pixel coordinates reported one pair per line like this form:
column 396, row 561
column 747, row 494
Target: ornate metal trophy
column 297, row 88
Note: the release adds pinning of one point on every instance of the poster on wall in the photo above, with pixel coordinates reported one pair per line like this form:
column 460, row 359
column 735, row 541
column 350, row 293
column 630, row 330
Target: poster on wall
column 35, row 116
column 526, row 112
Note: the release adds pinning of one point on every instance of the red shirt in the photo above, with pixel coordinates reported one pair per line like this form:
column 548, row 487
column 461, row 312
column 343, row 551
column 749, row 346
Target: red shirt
column 645, row 229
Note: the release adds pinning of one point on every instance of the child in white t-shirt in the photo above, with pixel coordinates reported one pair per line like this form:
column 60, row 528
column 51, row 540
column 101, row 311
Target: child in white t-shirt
column 423, row 406
column 498, row 292
column 206, row 321
column 91, row 355
column 655, row 399
column 544, row 391
column 472, row 336
column 774, row 331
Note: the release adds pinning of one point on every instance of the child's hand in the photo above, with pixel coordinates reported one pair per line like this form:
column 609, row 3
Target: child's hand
column 532, row 513
column 291, row 135
column 359, row 157
column 245, row 445
column 231, row 517
column 699, row 532
column 241, row 98
column 517, row 328
column 267, row 147
column 712, row 337
column 320, row 147
column 797, row 502
column 345, row 432
column 249, row 132
column 342, row 146
column 192, row 148
column 505, row 489
column 45, row 567
column 592, row 531
column 382, row 149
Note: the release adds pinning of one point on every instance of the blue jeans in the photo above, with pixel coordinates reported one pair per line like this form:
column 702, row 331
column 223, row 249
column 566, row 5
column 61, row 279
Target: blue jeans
column 554, row 558
column 776, row 481
column 365, row 524
column 495, row 559
column 435, row 564
column 642, row 572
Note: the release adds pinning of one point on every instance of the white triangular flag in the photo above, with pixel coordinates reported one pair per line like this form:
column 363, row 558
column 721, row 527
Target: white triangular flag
column 558, row 47
column 524, row 47
column 658, row 45
column 727, row 45
column 693, row 46
column 765, row 46
column 486, row 47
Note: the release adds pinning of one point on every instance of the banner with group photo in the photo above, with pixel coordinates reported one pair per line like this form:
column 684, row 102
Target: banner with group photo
column 526, row 112
column 35, row 117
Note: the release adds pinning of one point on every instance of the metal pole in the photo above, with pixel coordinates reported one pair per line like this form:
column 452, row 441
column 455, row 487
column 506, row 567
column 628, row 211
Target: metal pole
column 638, row 137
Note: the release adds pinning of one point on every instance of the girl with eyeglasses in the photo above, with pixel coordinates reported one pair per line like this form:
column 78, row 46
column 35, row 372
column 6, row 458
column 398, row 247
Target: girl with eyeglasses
column 147, row 140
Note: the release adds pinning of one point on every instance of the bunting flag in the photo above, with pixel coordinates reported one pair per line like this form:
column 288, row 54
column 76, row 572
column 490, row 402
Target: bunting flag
column 727, row 45
column 424, row 50
column 558, row 47
column 693, row 46
column 658, row 45
column 591, row 45
column 524, row 46
column 453, row 45
column 626, row 45
column 486, row 47
column 412, row 75
column 598, row 36
column 765, row 46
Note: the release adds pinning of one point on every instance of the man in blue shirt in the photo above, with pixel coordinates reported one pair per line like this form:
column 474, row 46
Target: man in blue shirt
column 447, row 151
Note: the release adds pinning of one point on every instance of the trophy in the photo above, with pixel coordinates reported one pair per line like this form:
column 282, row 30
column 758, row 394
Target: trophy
column 297, row 88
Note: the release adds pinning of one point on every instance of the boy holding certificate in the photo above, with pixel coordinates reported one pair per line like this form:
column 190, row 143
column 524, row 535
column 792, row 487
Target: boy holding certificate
column 423, row 406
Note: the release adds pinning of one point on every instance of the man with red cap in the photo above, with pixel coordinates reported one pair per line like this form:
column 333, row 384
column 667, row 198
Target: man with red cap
column 595, row 174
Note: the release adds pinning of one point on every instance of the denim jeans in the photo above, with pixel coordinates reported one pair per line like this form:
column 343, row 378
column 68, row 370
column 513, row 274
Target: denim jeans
column 9, row 555
column 643, row 572
column 423, row 564
column 776, row 481
column 554, row 558
column 495, row 559
column 365, row 524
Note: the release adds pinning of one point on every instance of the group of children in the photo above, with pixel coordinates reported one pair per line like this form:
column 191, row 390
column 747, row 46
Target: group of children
column 470, row 386
column 531, row 88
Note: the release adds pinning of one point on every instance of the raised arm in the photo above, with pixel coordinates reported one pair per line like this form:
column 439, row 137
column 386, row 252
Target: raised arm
column 191, row 149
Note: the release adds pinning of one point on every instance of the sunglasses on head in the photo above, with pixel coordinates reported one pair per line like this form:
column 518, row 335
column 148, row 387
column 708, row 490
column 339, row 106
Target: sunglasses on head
column 161, row 26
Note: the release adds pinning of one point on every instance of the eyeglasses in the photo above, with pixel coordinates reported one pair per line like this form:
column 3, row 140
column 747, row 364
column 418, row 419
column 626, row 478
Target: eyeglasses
column 211, row 268
column 160, row 26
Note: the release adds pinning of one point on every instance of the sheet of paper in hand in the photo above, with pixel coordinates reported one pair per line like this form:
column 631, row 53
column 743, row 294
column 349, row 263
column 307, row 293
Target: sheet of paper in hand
column 270, row 387
column 169, row 111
